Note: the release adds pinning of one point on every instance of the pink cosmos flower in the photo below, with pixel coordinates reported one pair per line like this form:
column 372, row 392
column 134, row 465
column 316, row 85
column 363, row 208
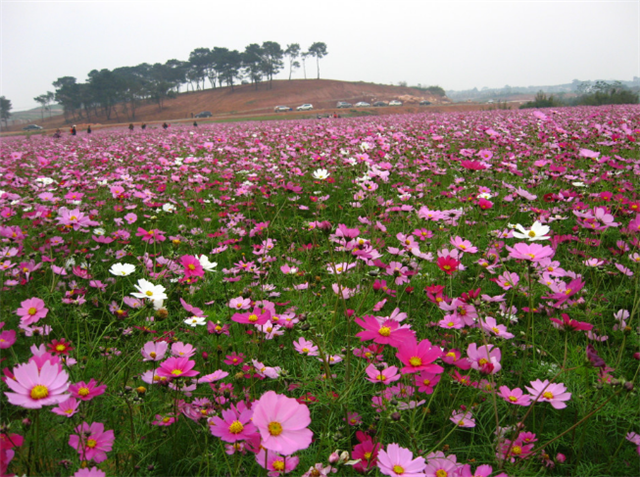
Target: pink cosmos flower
column 93, row 442
column 151, row 236
column 154, row 351
column 38, row 383
column 276, row 464
column 234, row 359
column 367, row 451
column 31, row 311
column 462, row 419
column 490, row 325
column 419, row 356
column 192, row 266
column 463, row 245
column 553, row 393
column 319, row 470
column 163, row 421
column 447, row 264
column 67, row 408
column 426, row 381
column 441, row 466
column 305, row 347
column 234, row 425
column 7, row 337
column 397, row 461
column 177, row 368
column 182, row 350
column 484, row 358
column 533, row 252
column 256, row 317
column 514, row 396
column 570, row 325
column 240, row 303
column 384, row 376
column 388, row 332
column 282, row 423
column 90, row 472
column 87, row 391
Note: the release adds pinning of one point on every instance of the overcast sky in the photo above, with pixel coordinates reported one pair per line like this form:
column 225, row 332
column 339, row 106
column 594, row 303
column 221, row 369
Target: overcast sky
column 454, row 44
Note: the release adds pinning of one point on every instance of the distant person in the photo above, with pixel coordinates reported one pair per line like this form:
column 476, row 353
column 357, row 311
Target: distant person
column 191, row 115
column 165, row 126
column 195, row 124
column 73, row 130
column 57, row 134
column 143, row 127
column 131, row 127
column 89, row 129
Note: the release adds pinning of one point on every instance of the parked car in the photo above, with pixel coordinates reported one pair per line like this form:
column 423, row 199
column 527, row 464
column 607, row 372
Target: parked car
column 395, row 102
column 362, row 104
column 204, row 114
column 280, row 109
column 425, row 103
column 379, row 103
column 32, row 127
column 343, row 104
column 305, row 107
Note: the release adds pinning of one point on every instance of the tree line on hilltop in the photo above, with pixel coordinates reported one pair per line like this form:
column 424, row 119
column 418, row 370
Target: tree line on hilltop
column 588, row 94
column 129, row 86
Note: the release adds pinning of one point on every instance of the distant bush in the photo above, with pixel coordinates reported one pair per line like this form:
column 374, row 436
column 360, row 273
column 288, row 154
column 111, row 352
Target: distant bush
column 542, row 101
column 608, row 93
column 437, row 90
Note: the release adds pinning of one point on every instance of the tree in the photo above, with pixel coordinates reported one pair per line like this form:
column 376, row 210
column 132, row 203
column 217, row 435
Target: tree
column 252, row 62
column 5, row 109
column 293, row 52
column 45, row 100
column 319, row 50
column 201, row 61
column 304, row 57
column 228, row 65
column 68, row 95
column 272, row 55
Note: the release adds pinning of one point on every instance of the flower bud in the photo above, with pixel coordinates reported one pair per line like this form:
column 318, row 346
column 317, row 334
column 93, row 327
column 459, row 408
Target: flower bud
column 333, row 458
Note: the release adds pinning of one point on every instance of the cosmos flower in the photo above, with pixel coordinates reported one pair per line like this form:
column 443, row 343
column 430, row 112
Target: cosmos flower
column 553, row 393
column 535, row 233
column 31, row 311
column 397, row 461
column 148, row 290
column 282, row 423
column 37, row 385
column 122, row 269
column 93, row 442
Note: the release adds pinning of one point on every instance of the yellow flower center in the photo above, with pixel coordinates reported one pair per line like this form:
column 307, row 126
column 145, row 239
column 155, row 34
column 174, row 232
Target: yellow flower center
column 236, row 427
column 218, row 328
column 149, row 293
column 415, row 361
column 547, row 395
column 426, row 382
column 275, row 428
column 153, row 354
column 278, row 465
column 305, row 350
column 531, row 233
column 166, row 419
column 60, row 347
column 91, row 443
column 83, row 391
column 367, row 456
column 191, row 266
column 451, row 354
column 32, row 311
column 517, row 450
column 68, row 411
column 483, row 361
column 441, row 473
column 253, row 318
column 385, row 331
column 176, row 372
column 513, row 398
column 398, row 469
column 39, row 392
column 381, row 377
column 495, row 330
column 461, row 422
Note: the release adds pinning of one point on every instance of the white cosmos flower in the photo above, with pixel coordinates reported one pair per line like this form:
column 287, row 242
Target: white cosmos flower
column 168, row 207
column 122, row 269
column 320, row 174
column 148, row 290
column 195, row 321
column 206, row 264
column 99, row 231
column 536, row 232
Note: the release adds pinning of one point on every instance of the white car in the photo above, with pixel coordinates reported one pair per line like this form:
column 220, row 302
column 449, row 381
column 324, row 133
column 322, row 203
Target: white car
column 395, row 103
column 281, row 109
column 362, row 104
column 305, row 107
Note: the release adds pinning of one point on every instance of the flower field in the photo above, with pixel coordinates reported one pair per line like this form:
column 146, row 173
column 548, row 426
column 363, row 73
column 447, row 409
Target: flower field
column 444, row 295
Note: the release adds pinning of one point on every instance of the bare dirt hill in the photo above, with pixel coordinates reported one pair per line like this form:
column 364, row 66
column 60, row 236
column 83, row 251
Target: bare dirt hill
column 246, row 101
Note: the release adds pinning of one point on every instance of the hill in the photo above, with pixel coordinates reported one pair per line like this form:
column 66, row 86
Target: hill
column 245, row 101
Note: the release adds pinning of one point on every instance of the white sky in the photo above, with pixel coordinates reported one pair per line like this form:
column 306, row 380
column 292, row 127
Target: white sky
column 454, row 44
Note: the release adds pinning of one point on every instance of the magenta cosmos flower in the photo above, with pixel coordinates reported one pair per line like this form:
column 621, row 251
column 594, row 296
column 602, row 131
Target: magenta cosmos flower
column 235, row 424
column 419, row 357
column 31, row 311
column 276, row 464
column 255, row 317
column 93, row 443
column 90, row 472
column 399, row 462
column 87, row 391
column 554, row 393
column 484, row 358
column 282, row 423
column 35, row 387
column 514, row 396
column 177, row 368
column 154, row 351
column 388, row 332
